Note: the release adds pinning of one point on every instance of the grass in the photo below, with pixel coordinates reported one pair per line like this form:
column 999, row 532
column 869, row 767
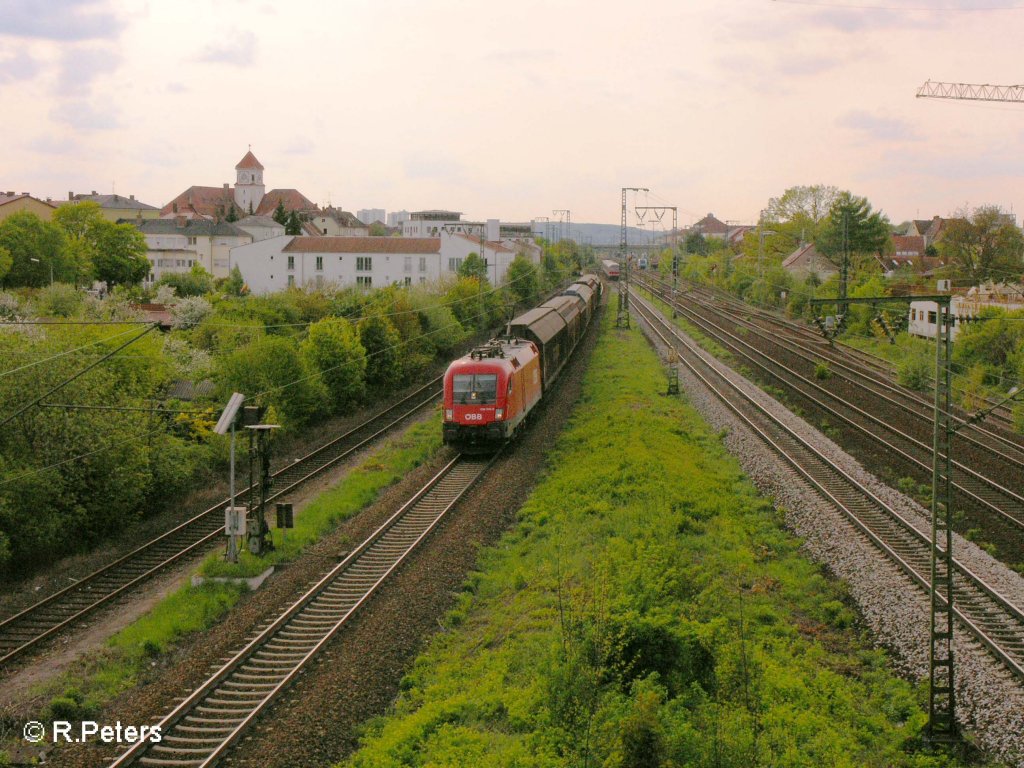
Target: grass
column 648, row 609
column 135, row 650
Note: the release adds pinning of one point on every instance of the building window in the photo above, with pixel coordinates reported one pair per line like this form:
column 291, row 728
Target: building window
column 408, row 263
column 325, row 230
column 291, row 262
column 408, row 281
column 364, row 264
column 291, row 280
column 191, row 241
column 319, row 263
column 454, row 264
column 423, row 263
column 423, row 279
column 364, row 281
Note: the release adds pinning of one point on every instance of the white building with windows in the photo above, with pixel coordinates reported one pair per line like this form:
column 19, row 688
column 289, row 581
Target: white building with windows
column 176, row 245
column 313, row 262
column 371, row 215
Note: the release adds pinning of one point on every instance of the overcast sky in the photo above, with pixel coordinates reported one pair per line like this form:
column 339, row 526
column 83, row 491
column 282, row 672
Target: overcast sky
column 513, row 109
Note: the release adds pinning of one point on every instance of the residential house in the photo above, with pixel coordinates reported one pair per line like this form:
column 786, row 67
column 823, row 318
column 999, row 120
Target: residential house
column 115, row 207
column 176, row 245
column 806, row 260
column 334, row 222
column 14, row 203
column 709, row 226
column 260, row 227
column 312, row 262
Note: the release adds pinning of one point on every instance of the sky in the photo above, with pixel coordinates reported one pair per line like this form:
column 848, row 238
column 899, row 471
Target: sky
column 514, row 110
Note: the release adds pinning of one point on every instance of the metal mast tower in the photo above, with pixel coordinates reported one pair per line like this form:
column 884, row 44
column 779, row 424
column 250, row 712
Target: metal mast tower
column 564, row 218
column 622, row 319
column 971, row 92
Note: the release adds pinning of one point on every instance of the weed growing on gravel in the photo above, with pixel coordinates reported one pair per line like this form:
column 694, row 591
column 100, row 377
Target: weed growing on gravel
column 647, row 610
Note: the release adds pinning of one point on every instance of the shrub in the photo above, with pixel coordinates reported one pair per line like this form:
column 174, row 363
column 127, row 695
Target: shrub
column 333, row 348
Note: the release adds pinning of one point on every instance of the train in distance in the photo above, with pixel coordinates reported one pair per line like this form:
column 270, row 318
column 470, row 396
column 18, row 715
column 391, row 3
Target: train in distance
column 610, row 269
column 489, row 393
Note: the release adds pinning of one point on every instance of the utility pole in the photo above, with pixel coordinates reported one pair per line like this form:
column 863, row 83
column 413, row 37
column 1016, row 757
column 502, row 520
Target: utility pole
column 941, row 694
column 622, row 319
column 659, row 214
column 564, row 219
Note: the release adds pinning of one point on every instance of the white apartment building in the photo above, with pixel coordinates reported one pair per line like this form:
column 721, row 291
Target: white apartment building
column 396, row 218
column 176, row 245
column 370, row 215
column 437, row 223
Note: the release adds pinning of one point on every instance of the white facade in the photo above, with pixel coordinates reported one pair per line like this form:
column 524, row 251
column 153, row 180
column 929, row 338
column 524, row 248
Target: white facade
column 499, row 255
column 267, row 266
column 260, row 227
column 436, row 223
column 179, row 251
column 923, row 314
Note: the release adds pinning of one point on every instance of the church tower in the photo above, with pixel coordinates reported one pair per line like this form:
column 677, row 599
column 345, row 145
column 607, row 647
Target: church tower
column 249, row 187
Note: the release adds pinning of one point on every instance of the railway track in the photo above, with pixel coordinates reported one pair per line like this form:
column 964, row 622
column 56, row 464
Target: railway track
column 981, row 610
column 203, row 728
column 869, row 365
column 41, row 621
column 971, row 485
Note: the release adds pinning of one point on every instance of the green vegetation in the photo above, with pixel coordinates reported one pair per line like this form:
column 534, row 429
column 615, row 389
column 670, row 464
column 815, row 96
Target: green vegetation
column 647, row 610
column 130, row 653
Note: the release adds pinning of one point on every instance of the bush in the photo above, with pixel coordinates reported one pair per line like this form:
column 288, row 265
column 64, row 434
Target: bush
column 916, row 371
column 59, row 300
column 333, row 348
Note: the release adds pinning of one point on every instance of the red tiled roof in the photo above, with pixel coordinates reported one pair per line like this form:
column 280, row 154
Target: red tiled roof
column 908, row 244
column 249, row 161
column 401, row 245
column 293, row 201
column 494, row 246
column 206, row 201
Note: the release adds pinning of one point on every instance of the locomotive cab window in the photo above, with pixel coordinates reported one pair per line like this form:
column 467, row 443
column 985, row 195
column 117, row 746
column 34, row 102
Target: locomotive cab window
column 475, row 389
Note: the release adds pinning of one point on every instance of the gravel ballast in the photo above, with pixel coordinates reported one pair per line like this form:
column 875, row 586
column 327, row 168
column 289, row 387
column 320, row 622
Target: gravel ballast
column 990, row 701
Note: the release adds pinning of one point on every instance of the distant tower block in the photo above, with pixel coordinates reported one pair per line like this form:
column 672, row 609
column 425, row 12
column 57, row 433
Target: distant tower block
column 249, row 187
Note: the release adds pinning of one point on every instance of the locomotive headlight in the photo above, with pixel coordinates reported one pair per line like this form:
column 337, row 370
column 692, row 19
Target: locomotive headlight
column 448, row 414
column 499, row 413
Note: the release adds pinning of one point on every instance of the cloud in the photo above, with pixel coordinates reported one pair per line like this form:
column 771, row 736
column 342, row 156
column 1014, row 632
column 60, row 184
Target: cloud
column 51, row 145
column 299, row 145
column 878, row 128
column 18, row 67
column 84, row 117
column 240, row 52
column 177, row 88
column 64, row 20
column 81, row 66
column 807, row 65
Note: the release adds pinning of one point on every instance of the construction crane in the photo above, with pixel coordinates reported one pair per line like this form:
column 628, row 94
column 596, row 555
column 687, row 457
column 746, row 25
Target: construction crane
column 971, row 92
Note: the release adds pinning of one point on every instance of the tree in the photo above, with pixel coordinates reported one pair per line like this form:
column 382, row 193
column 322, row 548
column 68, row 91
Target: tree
column 522, row 280
column 293, row 224
column 377, row 229
column 232, row 214
column 5, row 263
column 234, row 284
column 120, row 257
column 474, row 266
column 26, row 237
column 333, row 348
column 280, row 215
column 984, row 246
column 800, row 211
column 382, row 343
column 852, row 227
column 695, row 243
column 196, row 282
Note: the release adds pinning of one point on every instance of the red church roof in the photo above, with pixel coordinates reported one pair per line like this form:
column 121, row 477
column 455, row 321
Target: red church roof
column 248, row 162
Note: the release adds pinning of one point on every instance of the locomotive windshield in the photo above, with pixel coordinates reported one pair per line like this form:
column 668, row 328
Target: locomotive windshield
column 475, row 389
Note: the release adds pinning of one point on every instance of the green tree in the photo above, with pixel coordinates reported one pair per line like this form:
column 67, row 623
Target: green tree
column 333, row 348
column 852, row 227
column 382, row 343
column 800, row 212
column 26, row 237
column 474, row 266
column 523, row 281
column 293, row 224
column 280, row 215
column 377, row 229
column 5, row 263
column 695, row 243
column 196, row 282
column 120, row 257
column 232, row 214
column 234, row 284
column 984, row 246
column 271, row 368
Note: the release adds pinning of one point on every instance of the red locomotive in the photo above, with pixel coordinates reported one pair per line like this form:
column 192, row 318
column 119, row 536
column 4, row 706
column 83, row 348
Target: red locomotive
column 489, row 393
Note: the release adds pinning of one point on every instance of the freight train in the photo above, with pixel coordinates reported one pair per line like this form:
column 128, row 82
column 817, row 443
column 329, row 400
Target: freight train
column 489, row 393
